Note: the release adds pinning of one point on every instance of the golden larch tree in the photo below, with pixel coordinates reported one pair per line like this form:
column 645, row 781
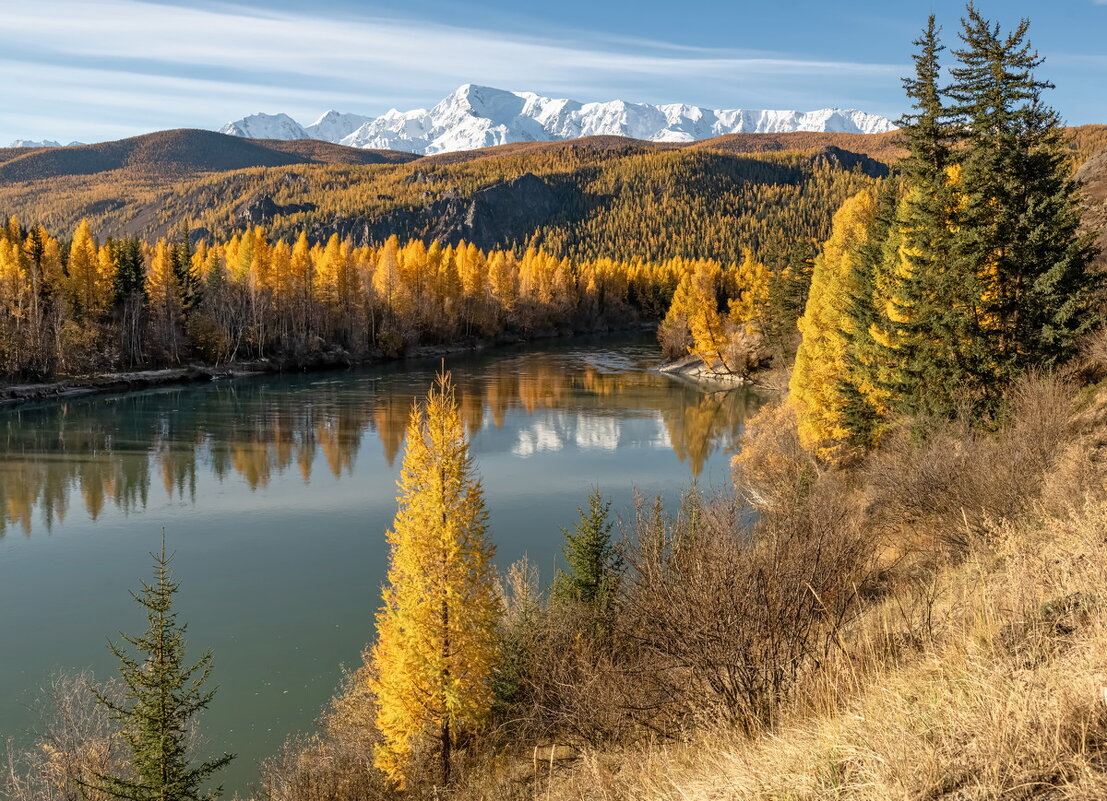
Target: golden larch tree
column 89, row 286
column 822, row 361
column 436, row 645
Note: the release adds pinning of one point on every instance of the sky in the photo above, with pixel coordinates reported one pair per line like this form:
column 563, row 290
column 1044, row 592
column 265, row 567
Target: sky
column 94, row 70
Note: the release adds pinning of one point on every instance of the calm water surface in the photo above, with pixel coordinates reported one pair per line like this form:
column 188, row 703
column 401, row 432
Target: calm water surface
column 275, row 494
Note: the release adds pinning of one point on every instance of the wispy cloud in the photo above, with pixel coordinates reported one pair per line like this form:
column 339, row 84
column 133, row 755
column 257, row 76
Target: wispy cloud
column 121, row 66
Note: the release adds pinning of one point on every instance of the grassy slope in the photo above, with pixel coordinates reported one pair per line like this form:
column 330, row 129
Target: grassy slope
column 1000, row 690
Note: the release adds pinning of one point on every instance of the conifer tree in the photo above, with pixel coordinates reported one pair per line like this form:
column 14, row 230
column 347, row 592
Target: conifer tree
column 188, row 281
column 88, row 287
column 433, row 660
column 593, row 560
column 164, row 694
column 874, row 357
column 931, row 304
column 1019, row 228
column 129, row 274
column 164, row 294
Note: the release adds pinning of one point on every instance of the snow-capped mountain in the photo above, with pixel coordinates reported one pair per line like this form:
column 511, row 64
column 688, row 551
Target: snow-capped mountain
column 334, row 126
column 32, row 143
column 266, row 126
column 479, row 116
column 43, row 143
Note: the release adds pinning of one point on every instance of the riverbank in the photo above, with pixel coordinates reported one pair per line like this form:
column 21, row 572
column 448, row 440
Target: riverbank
column 694, row 370
column 333, row 359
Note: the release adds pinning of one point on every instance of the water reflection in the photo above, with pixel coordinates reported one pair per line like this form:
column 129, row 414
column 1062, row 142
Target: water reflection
column 110, row 450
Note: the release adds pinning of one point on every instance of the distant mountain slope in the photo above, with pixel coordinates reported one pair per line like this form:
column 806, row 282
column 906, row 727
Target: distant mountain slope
column 479, row 116
column 598, row 195
column 594, row 196
column 1093, row 174
column 178, row 153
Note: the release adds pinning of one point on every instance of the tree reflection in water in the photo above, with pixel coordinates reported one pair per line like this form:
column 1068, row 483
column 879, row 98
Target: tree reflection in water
column 111, row 449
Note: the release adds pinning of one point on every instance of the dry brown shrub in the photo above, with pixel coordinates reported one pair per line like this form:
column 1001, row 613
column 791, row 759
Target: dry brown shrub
column 78, row 744
column 675, row 339
column 336, row 763
column 948, row 484
column 745, row 352
column 719, row 620
column 1091, row 364
column 773, row 471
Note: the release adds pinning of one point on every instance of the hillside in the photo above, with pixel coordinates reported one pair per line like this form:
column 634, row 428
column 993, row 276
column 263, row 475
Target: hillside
column 602, row 196
column 1093, row 174
column 175, row 154
column 595, row 196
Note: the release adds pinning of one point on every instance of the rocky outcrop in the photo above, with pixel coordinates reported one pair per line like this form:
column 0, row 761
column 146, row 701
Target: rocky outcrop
column 693, row 368
column 261, row 209
column 495, row 214
column 848, row 160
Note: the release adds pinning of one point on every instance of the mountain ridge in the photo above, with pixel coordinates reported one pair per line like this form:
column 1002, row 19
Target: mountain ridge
column 182, row 151
column 475, row 116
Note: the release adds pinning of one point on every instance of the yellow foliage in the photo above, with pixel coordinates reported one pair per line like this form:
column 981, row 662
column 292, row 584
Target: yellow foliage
column 436, row 647
column 821, row 359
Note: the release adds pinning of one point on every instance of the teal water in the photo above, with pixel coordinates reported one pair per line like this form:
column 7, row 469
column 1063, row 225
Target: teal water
column 275, row 494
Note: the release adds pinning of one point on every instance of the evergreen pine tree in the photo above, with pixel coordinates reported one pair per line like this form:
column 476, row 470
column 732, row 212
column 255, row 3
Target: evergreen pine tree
column 129, row 275
column 189, row 283
column 931, row 302
column 593, row 560
column 1019, row 228
column 164, row 694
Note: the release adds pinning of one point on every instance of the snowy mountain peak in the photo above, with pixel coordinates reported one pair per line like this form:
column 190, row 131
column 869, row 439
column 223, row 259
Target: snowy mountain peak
column 265, row 126
column 474, row 116
column 333, row 126
column 32, row 143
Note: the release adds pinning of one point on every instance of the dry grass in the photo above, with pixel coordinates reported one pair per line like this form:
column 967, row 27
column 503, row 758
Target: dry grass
column 1007, row 701
column 982, row 679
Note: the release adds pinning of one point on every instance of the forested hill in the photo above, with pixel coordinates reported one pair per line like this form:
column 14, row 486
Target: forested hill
column 592, row 197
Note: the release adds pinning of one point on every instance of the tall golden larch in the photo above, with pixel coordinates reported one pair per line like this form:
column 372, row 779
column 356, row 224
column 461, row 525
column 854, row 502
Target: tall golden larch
column 752, row 280
column 436, row 647
column 89, row 287
column 821, row 361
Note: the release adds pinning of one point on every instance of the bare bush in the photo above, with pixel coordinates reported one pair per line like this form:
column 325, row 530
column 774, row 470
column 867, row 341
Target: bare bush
column 675, row 339
column 721, row 620
column 1092, row 360
column 773, row 471
column 956, row 479
column 336, row 764
column 78, row 744
column 745, row 352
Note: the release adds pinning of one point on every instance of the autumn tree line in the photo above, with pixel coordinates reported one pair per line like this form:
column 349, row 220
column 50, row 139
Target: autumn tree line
column 84, row 305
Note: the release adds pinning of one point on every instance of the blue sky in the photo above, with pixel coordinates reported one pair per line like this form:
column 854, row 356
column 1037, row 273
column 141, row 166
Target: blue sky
column 95, row 70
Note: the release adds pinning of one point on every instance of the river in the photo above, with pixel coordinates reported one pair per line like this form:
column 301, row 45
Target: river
column 275, row 493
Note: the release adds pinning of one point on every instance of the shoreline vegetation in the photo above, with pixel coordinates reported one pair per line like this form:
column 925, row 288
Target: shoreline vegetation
column 14, row 394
